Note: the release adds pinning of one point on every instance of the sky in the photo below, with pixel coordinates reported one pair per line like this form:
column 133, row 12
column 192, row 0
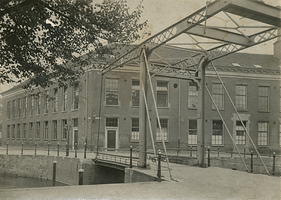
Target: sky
column 163, row 13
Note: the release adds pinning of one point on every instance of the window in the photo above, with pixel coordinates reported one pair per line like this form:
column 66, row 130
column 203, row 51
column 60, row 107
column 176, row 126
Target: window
column 31, row 104
column 262, row 133
column 14, row 109
column 18, row 131
column 75, row 122
column 217, row 132
column 9, row 110
column 19, row 107
column 55, row 102
column 162, row 93
column 64, row 98
column 55, row 130
column 8, row 132
column 135, row 129
column 75, row 96
column 13, row 131
column 263, row 98
column 164, row 127
column 30, row 130
column 192, row 95
column 24, row 106
column 135, row 92
column 24, row 131
column 192, row 132
column 37, row 130
column 38, row 104
column 64, row 129
column 217, row 95
column 240, row 133
column 46, row 128
column 241, row 97
column 47, row 101
column 111, row 92
column 112, row 122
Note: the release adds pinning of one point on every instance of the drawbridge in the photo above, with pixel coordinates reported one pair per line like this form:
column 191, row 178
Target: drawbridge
column 220, row 28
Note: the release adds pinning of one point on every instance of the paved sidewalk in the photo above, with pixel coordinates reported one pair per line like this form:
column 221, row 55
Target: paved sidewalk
column 189, row 183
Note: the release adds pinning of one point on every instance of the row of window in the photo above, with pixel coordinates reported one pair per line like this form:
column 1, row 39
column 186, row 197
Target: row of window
column 33, row 130
column 33, row 103
column 162, row 95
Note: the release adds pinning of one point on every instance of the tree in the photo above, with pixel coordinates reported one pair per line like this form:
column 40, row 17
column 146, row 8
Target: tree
column 41, row 38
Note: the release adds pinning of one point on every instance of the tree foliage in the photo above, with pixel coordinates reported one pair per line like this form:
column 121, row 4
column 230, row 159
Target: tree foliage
column 40, row 38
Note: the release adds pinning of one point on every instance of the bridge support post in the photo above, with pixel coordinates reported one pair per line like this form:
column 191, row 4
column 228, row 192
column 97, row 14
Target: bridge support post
column 54, row 172
column 81, row 171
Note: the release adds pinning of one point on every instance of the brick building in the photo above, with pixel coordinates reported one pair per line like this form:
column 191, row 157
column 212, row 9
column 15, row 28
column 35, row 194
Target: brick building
column 72, row 114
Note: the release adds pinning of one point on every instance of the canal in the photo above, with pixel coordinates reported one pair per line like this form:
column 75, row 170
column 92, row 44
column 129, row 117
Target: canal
column 8, row 181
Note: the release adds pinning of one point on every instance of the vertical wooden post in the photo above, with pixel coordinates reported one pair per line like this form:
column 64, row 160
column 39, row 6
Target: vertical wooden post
column 35, row 148
column 81, row 171
column 252, row 161
column 209, row 157
column 85, row 150
column 131, row 156
column 273, row 166
column 22, row 148
column 7, row 148
column 159, row 166
column 48, row 148
column 54, row 172
column 58, row 149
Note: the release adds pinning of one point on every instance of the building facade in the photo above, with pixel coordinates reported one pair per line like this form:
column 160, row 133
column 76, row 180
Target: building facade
column 103, row 111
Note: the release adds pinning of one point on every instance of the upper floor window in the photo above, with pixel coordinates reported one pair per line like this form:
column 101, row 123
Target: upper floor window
column 55, row 100
column 9, row 110
column 111, row 91
column 217, row 132
column 135, row 129
column 263, row 98
column 262, row 133
column 64, row 99
column 217, row 94
column 192, row 132
column 24, row 106
column 75, row 96
column 19, row 107
column 47, row 101
column 31, row 104
column 192, row 95
column 241, row 97
column 135, row 92
column 162, row 93
column 8, row 132
column 240, row 133
column 164, row 128
column 14, row 109
column 38, row 104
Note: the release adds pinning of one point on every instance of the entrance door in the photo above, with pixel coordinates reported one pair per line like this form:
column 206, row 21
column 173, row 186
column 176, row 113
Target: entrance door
column 75, row 137
column 111, row 139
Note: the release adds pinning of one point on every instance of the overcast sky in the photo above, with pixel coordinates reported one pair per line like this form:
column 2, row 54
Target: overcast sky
column 163, row 13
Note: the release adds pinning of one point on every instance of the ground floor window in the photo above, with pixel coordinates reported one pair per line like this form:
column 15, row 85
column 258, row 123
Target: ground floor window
column 64, row 129
column 37, row 130
column 18, row 131
column 55, row 129
column 46, row 130
column 30, row 130
column 8, row 132
column 192, row 132
column 24, row 130
column 13, row 131
column 262, row 133
column 135, row 129
column 217, row 132
column 240, row 133
column 164, row 127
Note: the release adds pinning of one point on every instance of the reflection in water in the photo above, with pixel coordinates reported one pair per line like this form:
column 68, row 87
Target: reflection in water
column 12, row 181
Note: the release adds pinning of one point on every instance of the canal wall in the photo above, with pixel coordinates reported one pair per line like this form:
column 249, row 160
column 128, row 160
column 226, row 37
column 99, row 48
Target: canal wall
column 67, row 170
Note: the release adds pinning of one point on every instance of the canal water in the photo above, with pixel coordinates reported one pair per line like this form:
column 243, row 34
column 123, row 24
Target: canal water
column 11, row 182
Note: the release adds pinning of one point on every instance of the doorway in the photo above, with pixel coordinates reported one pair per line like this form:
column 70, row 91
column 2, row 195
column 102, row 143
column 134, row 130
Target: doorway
column 111, row 139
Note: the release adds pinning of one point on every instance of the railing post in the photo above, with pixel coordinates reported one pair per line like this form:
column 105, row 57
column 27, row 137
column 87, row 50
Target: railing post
column 35, row 148
column 66, row 150
column 252, row 161
column 85, row 150
column 7, row 148
column 244, row 152
column 54, row 172
column 48, row 148
column 191, row 152
column 58, row 149
column 231, row 151
column 218, row 152
column 209, row 157
column 273, row 167
column 159, row 166
column 22, row 148
column 75, row 148
column 81, row 171
column 131, row 156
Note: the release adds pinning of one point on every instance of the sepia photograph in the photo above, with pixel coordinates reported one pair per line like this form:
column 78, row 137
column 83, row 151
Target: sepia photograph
column 140, row 99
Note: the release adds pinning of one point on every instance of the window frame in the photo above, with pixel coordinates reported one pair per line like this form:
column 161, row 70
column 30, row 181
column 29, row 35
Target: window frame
column 215, row 139
column 192, row 96
column 55, row 100
column 245, row 103
column 216, row 94
column 64, row 98
column 260, row 102
column 135, row 93
column 260, row 142
column 135, row 130
column 189, row 137
column 166, row 133
column 162, row 93
column 111, row 90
